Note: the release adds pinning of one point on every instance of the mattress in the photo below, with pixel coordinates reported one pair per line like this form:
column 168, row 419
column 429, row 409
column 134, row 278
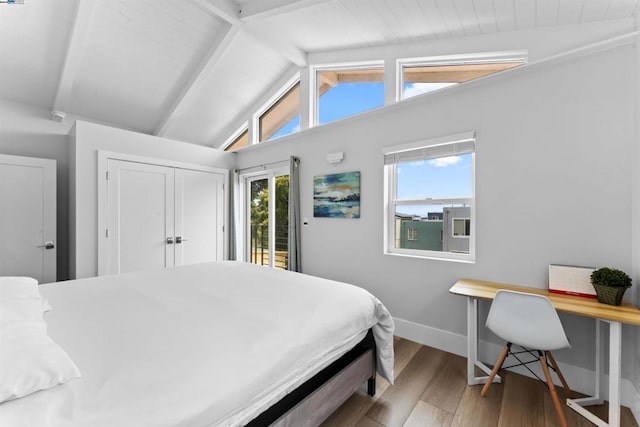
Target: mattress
column 210, row 344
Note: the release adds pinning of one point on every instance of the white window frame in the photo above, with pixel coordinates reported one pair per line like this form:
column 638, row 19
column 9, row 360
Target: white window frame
column 391, row 202
column 254, row 138
column 246, row 177
column 344, row 66
column 466, row 59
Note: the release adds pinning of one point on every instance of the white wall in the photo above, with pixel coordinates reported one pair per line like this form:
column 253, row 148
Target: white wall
column 553, row 185
column 86, row 139
column 28, row 131
column 636, row 217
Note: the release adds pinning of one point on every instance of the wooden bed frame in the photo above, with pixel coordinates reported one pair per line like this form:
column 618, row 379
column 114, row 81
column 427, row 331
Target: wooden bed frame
column 317, row 398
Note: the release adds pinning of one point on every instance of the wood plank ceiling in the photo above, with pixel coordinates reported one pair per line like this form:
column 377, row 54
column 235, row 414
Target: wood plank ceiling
column 186, row 69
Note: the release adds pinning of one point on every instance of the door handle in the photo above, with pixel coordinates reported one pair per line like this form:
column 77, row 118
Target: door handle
column 169, row 240
column 48, row 245
column 179, row 240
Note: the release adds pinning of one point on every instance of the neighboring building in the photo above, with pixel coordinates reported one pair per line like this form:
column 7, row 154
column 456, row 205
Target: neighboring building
column 434, row 216
column 421, row 234
column 456, row 225
column 447, row 231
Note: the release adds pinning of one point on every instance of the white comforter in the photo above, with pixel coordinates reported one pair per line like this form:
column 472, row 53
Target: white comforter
column 208, row 344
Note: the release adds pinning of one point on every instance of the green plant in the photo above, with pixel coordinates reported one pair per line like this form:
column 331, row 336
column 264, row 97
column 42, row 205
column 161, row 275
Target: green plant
column 610, row 277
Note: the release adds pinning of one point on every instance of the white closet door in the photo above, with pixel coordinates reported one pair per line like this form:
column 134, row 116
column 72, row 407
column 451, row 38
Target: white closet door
column 140, row 216
column 28, row 217
column 199, row 216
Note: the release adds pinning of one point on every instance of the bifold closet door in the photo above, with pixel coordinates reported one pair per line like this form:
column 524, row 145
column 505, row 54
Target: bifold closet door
column 199, row 216
column 28, row 217
column 140, row 216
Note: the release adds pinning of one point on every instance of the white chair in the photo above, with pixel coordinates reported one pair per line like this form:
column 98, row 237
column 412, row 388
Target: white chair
column 529, row 321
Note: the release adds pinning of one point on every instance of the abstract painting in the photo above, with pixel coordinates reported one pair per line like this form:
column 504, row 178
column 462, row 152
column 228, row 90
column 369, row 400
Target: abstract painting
column 337, row 195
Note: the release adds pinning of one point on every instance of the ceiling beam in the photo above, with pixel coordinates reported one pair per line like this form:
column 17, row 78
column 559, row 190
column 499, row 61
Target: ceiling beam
column 262, row 9
column 329, row 78
column 73, row 57
column 202, row 71
column 227, row 10
column 279, row 45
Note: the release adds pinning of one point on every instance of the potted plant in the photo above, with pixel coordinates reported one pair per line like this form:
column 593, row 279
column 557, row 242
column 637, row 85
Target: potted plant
column 610, row 284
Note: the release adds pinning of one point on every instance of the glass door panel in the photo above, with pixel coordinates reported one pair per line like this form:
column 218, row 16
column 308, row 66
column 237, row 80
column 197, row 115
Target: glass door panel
column 281, row 237
column 259, row 221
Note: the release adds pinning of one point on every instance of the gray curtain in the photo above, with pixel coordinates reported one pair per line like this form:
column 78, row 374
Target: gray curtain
column 295, row 260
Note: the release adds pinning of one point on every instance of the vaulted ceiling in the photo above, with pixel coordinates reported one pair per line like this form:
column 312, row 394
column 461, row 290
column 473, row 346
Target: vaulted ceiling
column 186, row 69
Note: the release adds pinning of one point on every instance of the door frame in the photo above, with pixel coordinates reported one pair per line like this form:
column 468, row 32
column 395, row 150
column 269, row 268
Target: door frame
column 103, row 202
column 270, row 174
column 50, row 227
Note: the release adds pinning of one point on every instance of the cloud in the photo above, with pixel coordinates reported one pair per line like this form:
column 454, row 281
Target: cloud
column 415, row 89
column 443, row 162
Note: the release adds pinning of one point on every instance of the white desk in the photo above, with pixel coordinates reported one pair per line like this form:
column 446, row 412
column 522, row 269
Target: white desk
column 613, row 315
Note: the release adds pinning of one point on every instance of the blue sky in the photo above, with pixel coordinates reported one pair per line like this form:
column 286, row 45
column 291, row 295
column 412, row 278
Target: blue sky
column 447, row 177
column 425, row 179
column 346, row 99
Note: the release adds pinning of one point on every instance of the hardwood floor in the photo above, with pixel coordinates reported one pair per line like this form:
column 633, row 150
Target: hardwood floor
column 431, row 390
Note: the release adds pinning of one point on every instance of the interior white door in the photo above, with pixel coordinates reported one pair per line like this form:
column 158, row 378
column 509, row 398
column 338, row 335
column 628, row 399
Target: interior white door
column 28, row 217
column 140, row 216
column 199, row 216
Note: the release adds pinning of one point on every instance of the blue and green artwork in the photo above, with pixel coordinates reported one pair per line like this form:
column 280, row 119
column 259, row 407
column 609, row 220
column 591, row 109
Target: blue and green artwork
column 337, row 195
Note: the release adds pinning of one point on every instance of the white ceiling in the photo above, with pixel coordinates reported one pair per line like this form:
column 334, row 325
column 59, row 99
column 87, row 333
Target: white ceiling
column 186, row 69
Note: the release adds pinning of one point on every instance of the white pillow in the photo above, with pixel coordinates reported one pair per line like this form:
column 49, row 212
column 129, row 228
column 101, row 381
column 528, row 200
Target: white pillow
column 29, row 359
column 21, row 287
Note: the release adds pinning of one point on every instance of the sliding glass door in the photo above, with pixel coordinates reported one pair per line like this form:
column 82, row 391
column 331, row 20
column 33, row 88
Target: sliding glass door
column 267, row 214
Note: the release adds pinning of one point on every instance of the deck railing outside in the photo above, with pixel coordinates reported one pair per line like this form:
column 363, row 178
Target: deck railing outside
column 260, row 246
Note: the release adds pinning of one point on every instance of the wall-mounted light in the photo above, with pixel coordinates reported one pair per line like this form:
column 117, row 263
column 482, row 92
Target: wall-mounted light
column 335, row 157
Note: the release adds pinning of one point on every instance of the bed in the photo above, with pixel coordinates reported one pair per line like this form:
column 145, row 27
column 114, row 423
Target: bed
column 216, row 344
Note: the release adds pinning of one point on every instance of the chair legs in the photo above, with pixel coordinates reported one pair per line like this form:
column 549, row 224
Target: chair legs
column 544, row 358
column 552, row 388
column 567, row 391
column 496, row 368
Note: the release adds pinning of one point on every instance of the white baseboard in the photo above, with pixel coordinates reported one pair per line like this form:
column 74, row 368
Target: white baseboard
column 580, row 379
column 432, row 337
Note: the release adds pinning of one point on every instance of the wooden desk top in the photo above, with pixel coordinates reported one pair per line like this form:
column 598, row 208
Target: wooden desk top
column 625, row 313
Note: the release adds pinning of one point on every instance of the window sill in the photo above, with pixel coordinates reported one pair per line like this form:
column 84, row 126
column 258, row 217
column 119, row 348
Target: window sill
column 448, row 256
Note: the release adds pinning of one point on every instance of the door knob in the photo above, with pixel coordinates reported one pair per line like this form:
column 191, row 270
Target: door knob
column 169, row 240
column 179, row 240
column 47, row 245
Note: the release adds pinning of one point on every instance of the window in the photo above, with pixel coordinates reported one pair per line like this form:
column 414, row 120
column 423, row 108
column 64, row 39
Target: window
column 282, row 117
column 430, row 198
column 461, row 227
column 338, row 91
column 429, row 74
column 242, row 140
column 343, row 92
column 267, row 213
